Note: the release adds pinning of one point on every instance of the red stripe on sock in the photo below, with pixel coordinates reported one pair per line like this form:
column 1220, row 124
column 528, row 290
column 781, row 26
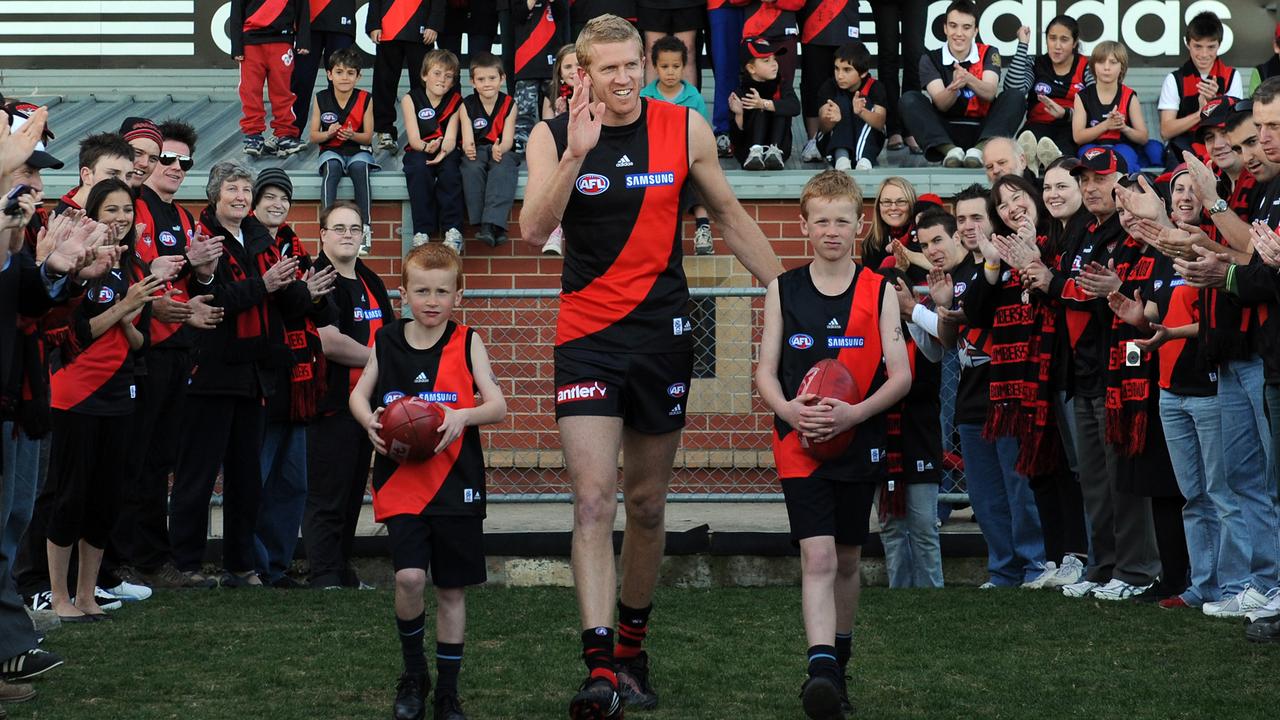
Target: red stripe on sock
column 605, row 673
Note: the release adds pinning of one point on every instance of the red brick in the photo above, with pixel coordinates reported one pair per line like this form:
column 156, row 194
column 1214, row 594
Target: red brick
column 388, row 211
column 514, row 266
column 777, row 211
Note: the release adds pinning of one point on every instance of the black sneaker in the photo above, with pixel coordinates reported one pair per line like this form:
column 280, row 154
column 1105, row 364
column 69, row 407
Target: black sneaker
column 284, row 582
column 1263, row 631
column 448, row 707
column 596, row 700
column 846, row 706
column 820, row 697
column 411, row 694
column 30, row 664
column 633, row 683
column 485, row 235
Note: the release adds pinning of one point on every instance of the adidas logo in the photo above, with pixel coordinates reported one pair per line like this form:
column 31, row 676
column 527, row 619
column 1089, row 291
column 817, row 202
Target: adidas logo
column 676, row 410
column 422, row 377
column 624, row 161
column 834, row 324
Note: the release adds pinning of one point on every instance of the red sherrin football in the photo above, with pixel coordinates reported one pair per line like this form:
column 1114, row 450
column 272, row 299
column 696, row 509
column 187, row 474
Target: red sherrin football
column 829, row 378
column 410, row 428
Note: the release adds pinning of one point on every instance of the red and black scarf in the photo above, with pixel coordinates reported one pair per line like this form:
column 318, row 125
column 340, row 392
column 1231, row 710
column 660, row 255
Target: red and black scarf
column 308, row 370
column 254, row 322
column 1129, row 387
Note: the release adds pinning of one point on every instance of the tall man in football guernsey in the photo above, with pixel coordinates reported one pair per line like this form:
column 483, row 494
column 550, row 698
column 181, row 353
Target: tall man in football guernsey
column 610, row 172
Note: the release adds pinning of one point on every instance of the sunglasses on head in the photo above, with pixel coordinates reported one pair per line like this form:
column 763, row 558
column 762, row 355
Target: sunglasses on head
column 184, row 161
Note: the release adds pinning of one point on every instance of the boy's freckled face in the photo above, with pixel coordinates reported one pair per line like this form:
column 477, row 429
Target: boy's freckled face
column 831, row 224
column 432, row 295
column 438, row 79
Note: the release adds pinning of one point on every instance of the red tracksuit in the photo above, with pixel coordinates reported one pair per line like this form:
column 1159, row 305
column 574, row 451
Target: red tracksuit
column 264, row 34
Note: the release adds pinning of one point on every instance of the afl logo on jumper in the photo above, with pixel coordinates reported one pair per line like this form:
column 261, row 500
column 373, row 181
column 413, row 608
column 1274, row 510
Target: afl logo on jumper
column 677, row 390
column 391, row 397
column 800, row 341
column 960, row 288
column 1043, row 88
column 106, row 295
column 592, row 184
column 167, row 239
column 329, row 118
column 480, row 123
column 426, row 114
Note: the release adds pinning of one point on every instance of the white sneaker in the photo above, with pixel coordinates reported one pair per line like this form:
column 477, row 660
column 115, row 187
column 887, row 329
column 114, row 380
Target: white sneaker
column 1050, row 569
column 421, row 239
column 702, row 244
column 555, row 242
column 1069, row 573
column 366, row 242
column 453, row 239
column 973, row 158
column 863, row 164
column 954, row 158
column 988, row 585
column 1117, row 590
column 843, row 164
column 810, row 152
column 129, row 591
column 1046, row 152
column 1027, row 142
column 755, row 158
column 1236, row 605
column 386, row 141
column 1270, row 610
column 1079, row 589
column 773, row 159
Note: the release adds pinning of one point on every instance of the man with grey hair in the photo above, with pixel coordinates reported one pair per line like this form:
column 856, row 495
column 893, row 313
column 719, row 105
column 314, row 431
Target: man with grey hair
column 224, row 418
column 1003, row 156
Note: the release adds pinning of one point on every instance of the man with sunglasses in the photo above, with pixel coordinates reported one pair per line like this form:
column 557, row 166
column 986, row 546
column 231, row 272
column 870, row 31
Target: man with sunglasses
column 141, row 537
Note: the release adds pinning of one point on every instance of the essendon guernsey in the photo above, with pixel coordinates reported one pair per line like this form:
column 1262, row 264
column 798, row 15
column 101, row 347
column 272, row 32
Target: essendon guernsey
column 846, row 327
column 452, row 481
column 349, row 116
column 623, row 287
column 100, row 379
column 433, row 119
column 486, row 125
column 165, row 229
column 829, row 22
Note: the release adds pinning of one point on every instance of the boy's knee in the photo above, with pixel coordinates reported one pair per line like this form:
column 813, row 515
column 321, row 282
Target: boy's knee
column 647, row 511
column 450, row 597
column 818, row 560
column 332, row 167
column 411, row 581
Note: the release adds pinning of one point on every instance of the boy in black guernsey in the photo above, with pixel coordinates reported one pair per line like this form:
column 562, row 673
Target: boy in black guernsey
column 432, row 160
column 829, row 502
column 342, row 127
column 333, row 27
column 404, row 31
column 490, row 169
column 433, row 509
column 853, row 113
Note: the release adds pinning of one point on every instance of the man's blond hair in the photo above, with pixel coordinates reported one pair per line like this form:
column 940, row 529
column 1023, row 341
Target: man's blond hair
column 605, row 29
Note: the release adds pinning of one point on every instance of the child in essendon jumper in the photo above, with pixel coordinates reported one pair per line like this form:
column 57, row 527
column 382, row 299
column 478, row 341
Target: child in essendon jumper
column 490, row 168
column 831, row 308
column 433, row 509
column 342, row 125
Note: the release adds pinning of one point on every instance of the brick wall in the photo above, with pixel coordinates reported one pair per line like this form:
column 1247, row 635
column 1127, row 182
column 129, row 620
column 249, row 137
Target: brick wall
column 726, row 443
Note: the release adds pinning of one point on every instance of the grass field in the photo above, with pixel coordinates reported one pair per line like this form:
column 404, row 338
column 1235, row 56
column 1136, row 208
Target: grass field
column 719, row 654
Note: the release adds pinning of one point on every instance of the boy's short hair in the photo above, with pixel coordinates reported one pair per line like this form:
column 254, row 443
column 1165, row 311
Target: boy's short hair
column 962, row 6
column 440, row 56
column 1110, row 47
column 179, row 131
column 1204, row 26
column 936, row 217
column 669, row 43
column 340, row 205
column 96, row 147
column 831, row 185
column 431, row 256
column 346, row 57
column 480, row 61
column 605, row 29
column 973, row 192
column 855, row 54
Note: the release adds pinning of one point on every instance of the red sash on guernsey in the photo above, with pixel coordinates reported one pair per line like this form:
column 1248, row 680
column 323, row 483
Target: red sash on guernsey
column 375, row 324
column 350, row 117
column 412, row 486
column 863, row 362
column 265, row 15
column 1038, row 113
column 317, row 7
column 499, row 120
column 397, row 16
column 537, row 40
column 145, row 249
column 977, row 107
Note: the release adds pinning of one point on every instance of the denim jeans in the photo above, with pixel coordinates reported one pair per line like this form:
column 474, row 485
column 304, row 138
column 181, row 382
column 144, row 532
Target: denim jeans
column 912, row 554
column 1211, row 516
column 1005, row 507
column 17, row 491
column 1246, row 447
column 724, row 36
column 284, row 497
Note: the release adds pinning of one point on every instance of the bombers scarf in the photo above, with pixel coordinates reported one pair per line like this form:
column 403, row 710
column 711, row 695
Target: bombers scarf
column 252, row 323
column 1129, row 383
column 1023, row 333
column 308, row 369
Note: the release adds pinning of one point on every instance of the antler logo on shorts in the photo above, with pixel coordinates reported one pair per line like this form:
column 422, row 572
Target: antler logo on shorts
column 581, row 391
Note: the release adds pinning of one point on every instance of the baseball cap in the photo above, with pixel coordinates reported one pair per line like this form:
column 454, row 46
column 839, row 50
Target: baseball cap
column 40, row 158
column 272, row 176
column 138, row 127
column 1215, row 113
column 758, row 47
column 1101, row 160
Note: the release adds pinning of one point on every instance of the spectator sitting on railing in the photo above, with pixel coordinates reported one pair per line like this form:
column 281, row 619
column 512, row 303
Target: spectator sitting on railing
column 1108, row 113
column 1189, row 88
column 1050, row 85
column 762, row 108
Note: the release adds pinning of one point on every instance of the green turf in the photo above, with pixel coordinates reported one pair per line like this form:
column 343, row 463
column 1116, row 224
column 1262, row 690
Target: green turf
column 729, row 653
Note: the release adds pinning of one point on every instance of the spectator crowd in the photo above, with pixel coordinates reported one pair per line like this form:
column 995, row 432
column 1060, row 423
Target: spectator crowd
column 1111, row 298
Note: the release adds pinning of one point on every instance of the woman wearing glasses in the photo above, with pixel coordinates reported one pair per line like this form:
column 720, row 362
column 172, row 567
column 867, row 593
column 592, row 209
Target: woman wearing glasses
column 890, row 222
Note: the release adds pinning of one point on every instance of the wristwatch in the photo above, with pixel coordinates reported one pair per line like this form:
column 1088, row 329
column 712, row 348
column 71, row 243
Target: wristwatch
column 1218, row 207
